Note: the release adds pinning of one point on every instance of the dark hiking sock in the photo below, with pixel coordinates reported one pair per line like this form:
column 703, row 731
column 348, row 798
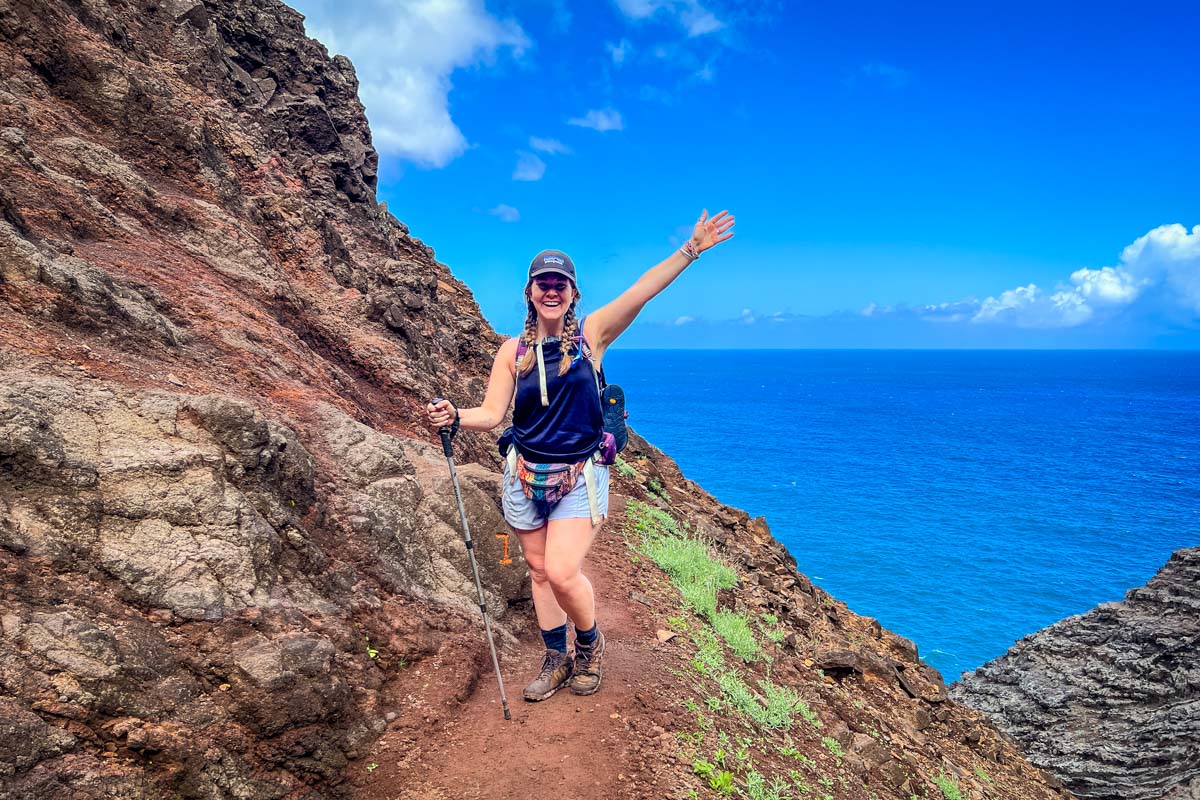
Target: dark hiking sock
column 556, row 638
column 587, row 638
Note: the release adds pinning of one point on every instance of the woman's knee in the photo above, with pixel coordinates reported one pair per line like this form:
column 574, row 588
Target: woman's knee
column 537, row 572
column 561, row 578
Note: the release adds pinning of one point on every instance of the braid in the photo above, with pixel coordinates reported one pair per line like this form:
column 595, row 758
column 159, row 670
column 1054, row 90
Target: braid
column 568, row 338
column 529, row 337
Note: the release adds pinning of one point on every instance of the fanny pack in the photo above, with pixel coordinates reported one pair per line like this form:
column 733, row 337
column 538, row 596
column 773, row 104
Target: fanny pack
column 546, row 484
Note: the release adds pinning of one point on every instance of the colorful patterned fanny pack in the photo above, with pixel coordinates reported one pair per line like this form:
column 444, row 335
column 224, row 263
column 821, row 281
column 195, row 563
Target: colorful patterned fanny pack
column 546, row 484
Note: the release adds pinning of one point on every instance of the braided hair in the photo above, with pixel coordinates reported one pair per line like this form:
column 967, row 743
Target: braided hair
column 529, row 335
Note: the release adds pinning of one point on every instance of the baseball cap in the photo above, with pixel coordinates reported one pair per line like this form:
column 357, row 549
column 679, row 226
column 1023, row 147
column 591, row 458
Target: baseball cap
column 552, row 261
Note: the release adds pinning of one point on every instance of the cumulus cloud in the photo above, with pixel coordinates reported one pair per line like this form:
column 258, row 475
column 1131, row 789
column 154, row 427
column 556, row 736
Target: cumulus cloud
column 599, row 120
column 747, row 317
column 529, row 167
column 1159, row 272
column 404, row 52
column 1169, row 256
column 687, row 14
column 1158, row 275
column 551, row 146
column 506, row 213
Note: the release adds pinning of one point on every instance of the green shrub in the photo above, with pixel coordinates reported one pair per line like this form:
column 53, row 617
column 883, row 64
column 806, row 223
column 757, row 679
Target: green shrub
column 734, row 628
column 624, row 469
column 949, row 786
column 809, row 715
column 709, row 660
column 832, row 745
column 757, row 789
column 782, row 702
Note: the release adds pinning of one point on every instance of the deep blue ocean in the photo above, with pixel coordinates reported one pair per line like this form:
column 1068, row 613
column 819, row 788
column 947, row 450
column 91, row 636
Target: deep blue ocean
column 965, row 499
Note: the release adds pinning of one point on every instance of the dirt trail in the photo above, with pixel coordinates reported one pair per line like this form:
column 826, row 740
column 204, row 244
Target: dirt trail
column 611, row 744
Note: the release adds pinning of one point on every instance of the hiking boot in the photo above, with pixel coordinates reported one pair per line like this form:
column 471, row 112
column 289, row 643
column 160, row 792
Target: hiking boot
column 556, row 671
column 587, row 667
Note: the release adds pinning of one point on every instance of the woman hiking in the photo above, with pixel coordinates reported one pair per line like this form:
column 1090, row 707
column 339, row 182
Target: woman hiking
column 550, row 374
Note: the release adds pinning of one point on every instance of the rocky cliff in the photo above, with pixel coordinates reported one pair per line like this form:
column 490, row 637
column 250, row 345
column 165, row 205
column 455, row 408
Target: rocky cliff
column 1109, row 700
column 230, row 560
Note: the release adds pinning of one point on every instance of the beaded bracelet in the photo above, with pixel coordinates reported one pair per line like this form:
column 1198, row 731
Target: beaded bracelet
column 689, row 250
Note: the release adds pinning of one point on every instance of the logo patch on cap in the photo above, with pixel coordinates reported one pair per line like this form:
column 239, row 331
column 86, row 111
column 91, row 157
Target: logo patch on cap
column 552, row 260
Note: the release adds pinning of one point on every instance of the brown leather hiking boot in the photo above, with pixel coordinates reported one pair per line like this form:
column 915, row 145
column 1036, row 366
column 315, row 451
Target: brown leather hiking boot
column 586, row 679
column 556, row 671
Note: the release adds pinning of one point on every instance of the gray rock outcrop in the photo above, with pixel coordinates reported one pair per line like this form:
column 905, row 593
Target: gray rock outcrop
column 1109, row 701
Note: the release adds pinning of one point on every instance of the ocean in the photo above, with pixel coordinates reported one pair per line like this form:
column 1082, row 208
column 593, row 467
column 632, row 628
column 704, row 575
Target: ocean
column 963, row 498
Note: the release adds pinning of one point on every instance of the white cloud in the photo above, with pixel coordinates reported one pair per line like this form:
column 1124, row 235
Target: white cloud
column 506, row 213
column 529, row 167
column 684, row 320
column 688, row 14
column 1169, row 256
column 1158, row 275
column 404, row 52
column 552, row 146
column 1158, row 272
column 599, row 120
column 747, row 317
column 619, row 51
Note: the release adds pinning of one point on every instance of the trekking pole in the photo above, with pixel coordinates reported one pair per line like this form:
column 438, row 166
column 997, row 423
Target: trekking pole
column 447, row 435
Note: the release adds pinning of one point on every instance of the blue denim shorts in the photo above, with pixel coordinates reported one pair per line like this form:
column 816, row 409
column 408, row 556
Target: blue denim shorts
column 522, row 513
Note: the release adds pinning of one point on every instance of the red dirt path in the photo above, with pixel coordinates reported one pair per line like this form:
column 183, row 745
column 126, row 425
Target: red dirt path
column 613, row 744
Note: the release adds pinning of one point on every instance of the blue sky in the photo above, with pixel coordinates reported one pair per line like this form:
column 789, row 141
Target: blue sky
column 931, row 175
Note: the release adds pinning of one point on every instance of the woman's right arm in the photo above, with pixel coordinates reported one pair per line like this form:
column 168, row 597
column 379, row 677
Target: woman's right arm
column 495, row 402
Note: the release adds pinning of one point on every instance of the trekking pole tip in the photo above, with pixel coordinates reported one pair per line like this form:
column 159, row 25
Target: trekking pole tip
column 506, row 714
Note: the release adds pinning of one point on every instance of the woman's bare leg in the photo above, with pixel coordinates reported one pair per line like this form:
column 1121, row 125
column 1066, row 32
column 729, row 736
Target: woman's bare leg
column 566, row 544
column 549, row 613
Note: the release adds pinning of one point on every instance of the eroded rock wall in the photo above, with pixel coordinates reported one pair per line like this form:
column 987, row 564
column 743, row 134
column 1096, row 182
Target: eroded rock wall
column 1109, row 700
column 222, row 531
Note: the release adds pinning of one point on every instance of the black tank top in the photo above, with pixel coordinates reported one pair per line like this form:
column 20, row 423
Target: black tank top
column 569, row 429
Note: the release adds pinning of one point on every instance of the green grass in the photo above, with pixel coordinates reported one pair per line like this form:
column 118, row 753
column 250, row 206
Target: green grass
column 709, row 659
column 757, row 788
column 983, row 776
column 734, row 628
column 683, row 556
column 808, row 714
column 949, row 786
column 623, row 468
column 782, row 703
column 832, row 745
column 775, row 708
column 719, row 780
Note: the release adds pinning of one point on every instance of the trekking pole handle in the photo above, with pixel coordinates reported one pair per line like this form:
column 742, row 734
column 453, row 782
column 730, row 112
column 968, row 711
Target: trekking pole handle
column 447, row 433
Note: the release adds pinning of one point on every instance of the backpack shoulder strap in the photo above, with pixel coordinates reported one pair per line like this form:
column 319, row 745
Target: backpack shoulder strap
column 585, row 350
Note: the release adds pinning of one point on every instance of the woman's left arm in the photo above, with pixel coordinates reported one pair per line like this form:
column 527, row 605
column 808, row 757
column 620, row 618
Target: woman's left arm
column 605, row 324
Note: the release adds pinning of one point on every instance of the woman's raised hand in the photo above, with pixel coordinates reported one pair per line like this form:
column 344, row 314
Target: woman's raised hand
column 711, row 232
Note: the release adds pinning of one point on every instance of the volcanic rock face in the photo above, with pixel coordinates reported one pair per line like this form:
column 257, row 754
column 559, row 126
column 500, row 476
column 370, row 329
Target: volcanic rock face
column 1110, row 700
column 218, row 536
